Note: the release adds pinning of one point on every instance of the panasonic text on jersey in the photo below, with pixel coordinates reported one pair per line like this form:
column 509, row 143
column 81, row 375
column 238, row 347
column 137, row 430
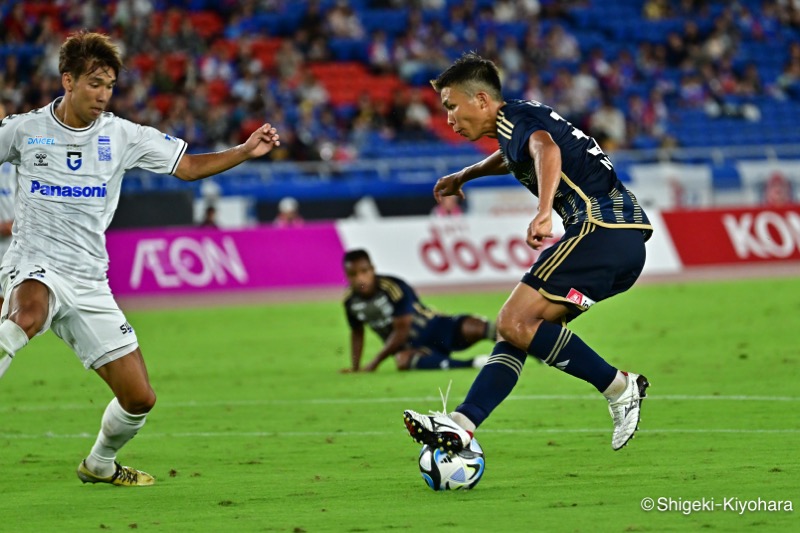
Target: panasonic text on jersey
column 68, row 191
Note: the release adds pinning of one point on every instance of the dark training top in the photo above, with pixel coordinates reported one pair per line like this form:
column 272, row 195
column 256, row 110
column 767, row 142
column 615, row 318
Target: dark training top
column 393, row 298
column 589, row 190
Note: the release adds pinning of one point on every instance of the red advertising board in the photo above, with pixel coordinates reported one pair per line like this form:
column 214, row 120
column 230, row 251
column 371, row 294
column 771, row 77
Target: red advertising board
column 732, row 236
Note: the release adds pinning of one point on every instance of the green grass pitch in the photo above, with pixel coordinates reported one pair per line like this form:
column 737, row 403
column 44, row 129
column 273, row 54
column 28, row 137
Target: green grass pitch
column 255, row 430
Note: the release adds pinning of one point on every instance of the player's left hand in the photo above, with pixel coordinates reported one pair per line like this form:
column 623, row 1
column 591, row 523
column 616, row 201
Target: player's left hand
column 371, row 367
column 261, row 141
column 540, row 228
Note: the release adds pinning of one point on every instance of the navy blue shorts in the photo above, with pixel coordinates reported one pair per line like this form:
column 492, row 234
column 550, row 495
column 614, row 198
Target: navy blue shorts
column 588, row 264
column 442, row 334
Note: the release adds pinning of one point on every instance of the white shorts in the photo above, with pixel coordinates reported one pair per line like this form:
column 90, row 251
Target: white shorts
column 82, row 313
column 5, row 243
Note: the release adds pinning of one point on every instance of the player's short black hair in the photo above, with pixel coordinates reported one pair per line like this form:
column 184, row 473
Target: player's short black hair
column 84, row 52
column 355, row 255
column 471, row 73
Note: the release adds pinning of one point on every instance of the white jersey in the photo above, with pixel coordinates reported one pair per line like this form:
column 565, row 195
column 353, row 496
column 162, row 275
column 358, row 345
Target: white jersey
column 69, row 184
column 8, row 189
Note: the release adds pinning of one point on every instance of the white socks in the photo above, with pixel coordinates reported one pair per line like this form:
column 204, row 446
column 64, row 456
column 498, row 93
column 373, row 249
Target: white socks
column 462, row 421
column 12, row 339
column 617, row 387
column 118, row 427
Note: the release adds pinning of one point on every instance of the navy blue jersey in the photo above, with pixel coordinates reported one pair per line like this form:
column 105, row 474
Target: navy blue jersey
column 393, row 298
column 589, row 190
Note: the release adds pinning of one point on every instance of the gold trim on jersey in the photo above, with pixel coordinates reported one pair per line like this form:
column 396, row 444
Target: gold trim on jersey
column 617, row 200
column 590, row 210
column 508, row 360
column 564, row 248
column 392, row 289
column 424, row 311
column 504, row 126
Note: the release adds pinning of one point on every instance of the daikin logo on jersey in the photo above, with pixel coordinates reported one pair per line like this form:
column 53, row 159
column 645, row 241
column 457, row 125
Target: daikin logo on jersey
column 68, row 191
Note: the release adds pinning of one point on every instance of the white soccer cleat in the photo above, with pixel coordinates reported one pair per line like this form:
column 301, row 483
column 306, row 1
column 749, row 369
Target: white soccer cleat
column 5, row 362
column 626, row 410
column 437, row 431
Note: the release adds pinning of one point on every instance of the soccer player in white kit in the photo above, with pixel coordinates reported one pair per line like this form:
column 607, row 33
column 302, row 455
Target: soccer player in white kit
column 8, row 189
column 70, row 157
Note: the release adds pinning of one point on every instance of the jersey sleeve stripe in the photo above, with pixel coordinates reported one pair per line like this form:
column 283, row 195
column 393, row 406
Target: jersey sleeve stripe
column 392, row 288
column 178, row 159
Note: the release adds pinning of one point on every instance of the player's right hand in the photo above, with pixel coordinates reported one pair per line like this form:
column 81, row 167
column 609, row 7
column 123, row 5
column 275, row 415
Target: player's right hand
column 448, row 186
column 540, row 228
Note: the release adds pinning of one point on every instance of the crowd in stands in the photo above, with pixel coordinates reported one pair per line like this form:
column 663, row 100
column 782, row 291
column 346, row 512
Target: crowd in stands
column 210, row 71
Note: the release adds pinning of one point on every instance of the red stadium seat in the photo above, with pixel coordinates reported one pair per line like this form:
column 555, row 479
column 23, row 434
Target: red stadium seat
column 144, row 63
column 218, row 91
column 176, row 65
column 163, row 103
column 207, row 23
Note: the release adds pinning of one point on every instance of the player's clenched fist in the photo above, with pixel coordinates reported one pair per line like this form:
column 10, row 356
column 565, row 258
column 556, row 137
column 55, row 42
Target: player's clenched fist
column 262, row 141
column 540, row 228
column 448, row 186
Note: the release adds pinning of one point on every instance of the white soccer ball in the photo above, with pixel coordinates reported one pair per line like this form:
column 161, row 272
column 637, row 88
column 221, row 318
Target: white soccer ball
column 442, row 471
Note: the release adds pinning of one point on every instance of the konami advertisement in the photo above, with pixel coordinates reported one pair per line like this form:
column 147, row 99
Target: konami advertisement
column 735, row 236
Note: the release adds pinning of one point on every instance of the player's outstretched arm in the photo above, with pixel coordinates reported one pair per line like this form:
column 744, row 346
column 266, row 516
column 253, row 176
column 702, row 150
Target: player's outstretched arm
column 546, row 157
column 451, row 185
column 401, row 330
column 199, row 166
column 356, row 350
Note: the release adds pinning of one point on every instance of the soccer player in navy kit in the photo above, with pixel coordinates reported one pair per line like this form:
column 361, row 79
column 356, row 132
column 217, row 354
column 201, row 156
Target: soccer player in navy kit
column 416, row 336
column 601, row 253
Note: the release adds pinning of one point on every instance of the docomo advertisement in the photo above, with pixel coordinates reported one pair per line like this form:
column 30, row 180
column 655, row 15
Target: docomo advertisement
column 453, row 250
column 472, row 249
column 190, row 260
column 731, row 236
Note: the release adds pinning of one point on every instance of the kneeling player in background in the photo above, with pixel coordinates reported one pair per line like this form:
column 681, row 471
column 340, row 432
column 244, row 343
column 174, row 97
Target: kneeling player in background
column 418, row 337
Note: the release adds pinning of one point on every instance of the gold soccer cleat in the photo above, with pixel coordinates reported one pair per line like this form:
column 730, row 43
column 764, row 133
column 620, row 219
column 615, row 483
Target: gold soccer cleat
column 123, row 476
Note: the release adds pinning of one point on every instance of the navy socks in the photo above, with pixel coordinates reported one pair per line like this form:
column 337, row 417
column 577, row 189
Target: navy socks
column 494, row 382
column 561, row 348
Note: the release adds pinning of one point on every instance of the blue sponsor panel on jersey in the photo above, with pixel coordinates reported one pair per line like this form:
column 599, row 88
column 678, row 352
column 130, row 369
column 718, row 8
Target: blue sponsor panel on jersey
column 68, row 191
column 103, row 148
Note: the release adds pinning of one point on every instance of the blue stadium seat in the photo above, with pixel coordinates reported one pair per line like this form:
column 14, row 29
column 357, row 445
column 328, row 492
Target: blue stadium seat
column 725, row 176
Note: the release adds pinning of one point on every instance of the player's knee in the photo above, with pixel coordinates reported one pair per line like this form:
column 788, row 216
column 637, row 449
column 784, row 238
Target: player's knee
column 139, row 403
column 516, row 328
column 29, row 317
